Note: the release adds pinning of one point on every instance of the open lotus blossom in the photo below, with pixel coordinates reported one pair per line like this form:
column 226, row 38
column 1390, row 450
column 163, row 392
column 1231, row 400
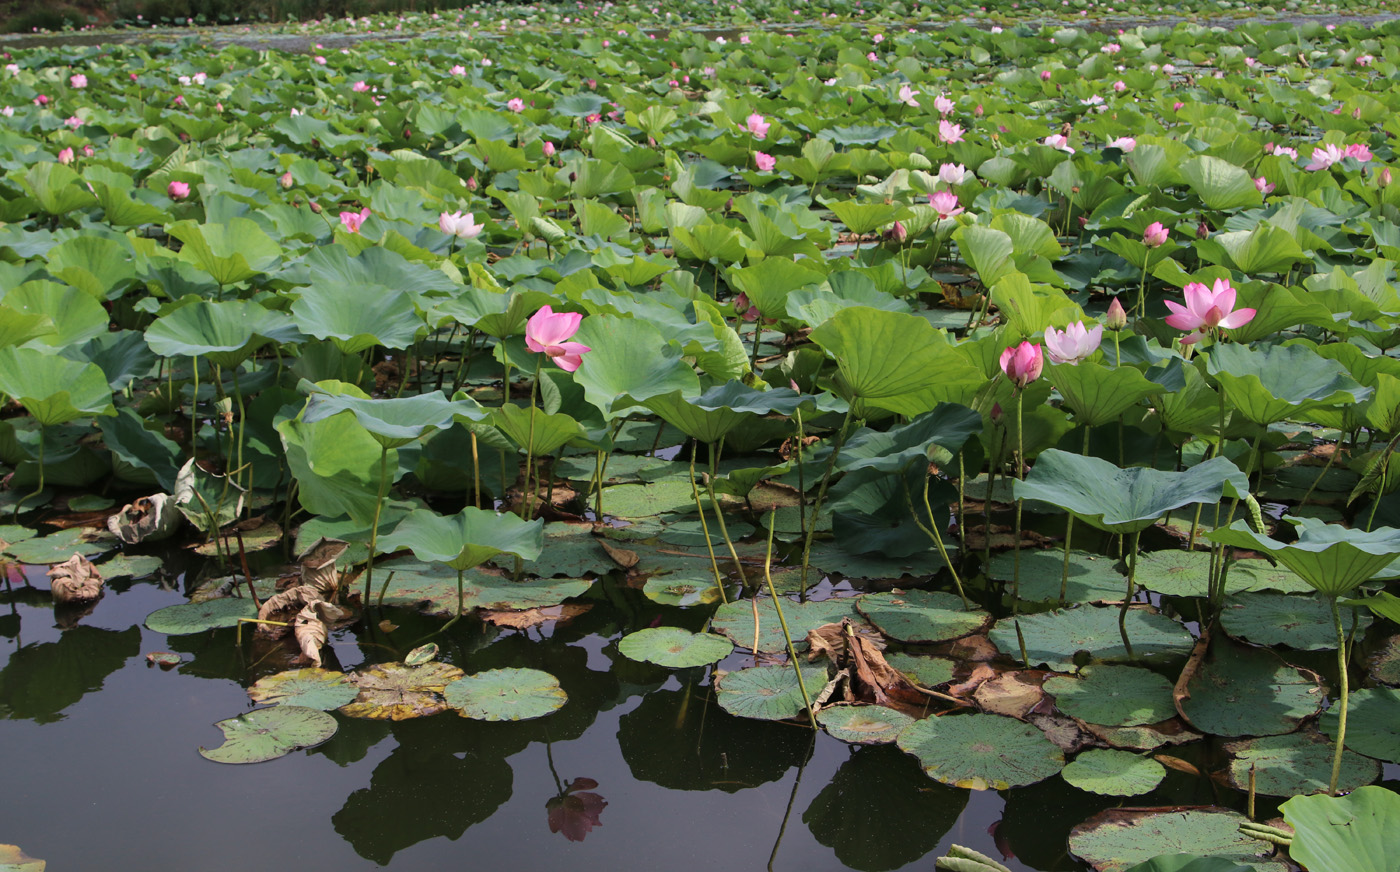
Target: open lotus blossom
column 949, row 132
column 359, row 87
column 457, row 70
column 1022, row 363
column 757, row 126
column 460, row 225
column 1060, row 141
column 1074, row 343
column 1263, row 185
column 515, row 104
column 764, row 162
column 546, row 333
column 952, row 174
column 1329, row 154
column 1155, row 235
column 1206, row 310
column 177, row 190
column 945, row 203
column 353, row 221
column 78, row 80
column 1124, row 144
column 65, row 156
column 906, row 96
column 943, row 105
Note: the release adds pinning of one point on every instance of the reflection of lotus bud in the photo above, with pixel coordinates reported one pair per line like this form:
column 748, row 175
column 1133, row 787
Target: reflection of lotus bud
column 1383, row 178
column 1117, row 319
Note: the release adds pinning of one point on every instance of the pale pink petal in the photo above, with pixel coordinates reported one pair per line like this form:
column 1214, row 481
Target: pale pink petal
column 1238, row 318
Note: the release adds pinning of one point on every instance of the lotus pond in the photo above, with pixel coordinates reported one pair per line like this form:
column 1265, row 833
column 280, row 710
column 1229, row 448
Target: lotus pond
column 840, row 448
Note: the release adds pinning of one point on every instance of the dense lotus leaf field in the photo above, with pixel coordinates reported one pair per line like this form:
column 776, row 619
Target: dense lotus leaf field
column 1016, row 404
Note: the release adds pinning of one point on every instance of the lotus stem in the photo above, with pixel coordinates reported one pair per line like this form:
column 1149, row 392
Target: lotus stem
column 1331, row 458
column 932, row 532
column 194, row 409
column 527, row 506
column 778, row 607
column 705, row 525
column 476, row 473
column 1142, row 295
column 374, row 530
column 242, row 416
column 801, row 497
column 384, row 588
column 40, row 488
column 1069, row 529
column 1128, row 599
column 1016, row 534
column 1346, row 689
column 821, row 493
column 460, row 599
column 719, row 514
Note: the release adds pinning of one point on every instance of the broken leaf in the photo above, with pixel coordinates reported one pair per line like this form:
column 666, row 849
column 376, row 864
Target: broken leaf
column 148, row 519
column 395, row 692
column 75, row 580
column 266, row 734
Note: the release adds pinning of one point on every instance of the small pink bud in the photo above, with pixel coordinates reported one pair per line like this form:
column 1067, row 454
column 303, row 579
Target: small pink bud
column 1045, row 75
column 286, row 180
column 1116, row 319
column 1383, row 178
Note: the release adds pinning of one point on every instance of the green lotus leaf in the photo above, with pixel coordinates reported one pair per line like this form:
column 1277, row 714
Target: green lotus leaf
column 1332, row 558
column 1359, row 832
column 1220, row 184
column 1269, row 384
column 227, row 333
column 1113, row 773
column 630, row 362
column 863, row 724
column 1093, row 578
column 266, row 734
column 1119, row 696
column 1124, row 500
column 1265, row 249
column 1120, row 838
column 1055, row 638
column 397, row 692
column 393, row 421
column 768, row 283
column 211, row 614
column 1295, row 763
column 432, row 588
column 337, row 466
column 466, row 539
column 358, row 317
column 230, row 252
column 768, row 693
column 714, row 413
column 1098, row 394
column 1242, row 691
column 506, row 695
column 1303, row 623
column 920, row 616
column 674, row 648
column 74, row 315
column 536, row 431
column 53, row 389
column 981, row 751
column 320, row 689
column 1189, row 863
column 736, row 621
column 53, row 548
column 1373, row 723
column 935, row 436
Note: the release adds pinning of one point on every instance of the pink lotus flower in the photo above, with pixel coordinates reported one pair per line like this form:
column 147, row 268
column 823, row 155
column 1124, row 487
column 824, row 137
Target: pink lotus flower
column 1285, row 151
column 757, row 126
column 74, row 122
column 177, row 190
column 952, row 174
column 352, row 221
column 949, row 132
column 1045, row 75
column 943, row 105
column 764, row 162
column 1059, row 141
column 546, row 333
column 945, row 203
column 1359, row 152
column 1364, row 60
column 577, row 810
column 41, row 100
column 1207, row 310
column 359, row 87
column 1324, row 157
column 78, row 80
column 1263, row 186
column 747, row 310
column 1178, row 106
column 1120, row 86
column 459, row 225
column 906, row 96
column 1074, row 343
column 1022, row 363
column 1124, row 144
column 515, row 104
column 1155, row 235
column 457, row 70
column 65, row 156
column 549, row 149
column 1116, row 319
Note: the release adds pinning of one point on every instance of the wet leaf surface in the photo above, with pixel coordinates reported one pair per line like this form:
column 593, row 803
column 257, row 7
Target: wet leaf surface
column 981, row 751
column 266, row 734
column 395, row 692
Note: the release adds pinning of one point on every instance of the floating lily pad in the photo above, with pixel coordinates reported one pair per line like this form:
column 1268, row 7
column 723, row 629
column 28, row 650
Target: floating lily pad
column 863, row 724
column 261, row 538
column 1116, row 696
column 90, row 503
column 1296, row 763
column 1301, row 622
column 648, row 500
column 1054, row 638
column 920, row 616
column 320, row 689
column 395, row 692
column 11, row 534
column 1373, row 723
column 621, row 468
column 1242, row 691
column 681, row 589
column 1385, row 665
column 211, row 614
column 12, row 859
column 1114, row 773
column 768, row 693
column 674, row 648
column 981, row 751
column 506, row 695
column 56, row 547
column 1186, row 573
column 827, row 557
column 569, row 549
column 736, row 621
column 422, row 654
column 692, row 535
column 1119, row 838
column 269, row 733
column 1093, row 578
column 130, row 566
column 923, row 670
column 433, row 588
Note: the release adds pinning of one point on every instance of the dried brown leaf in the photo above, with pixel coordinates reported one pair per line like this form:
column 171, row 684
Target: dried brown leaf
column 318, row 566
column 1193, row 665
column 1176, row 763
column 1014, row 694
column 965, row 688
column 311, row 633
column 1064, row 731
column 621, row 556
column 75, row 581
column 526, row 618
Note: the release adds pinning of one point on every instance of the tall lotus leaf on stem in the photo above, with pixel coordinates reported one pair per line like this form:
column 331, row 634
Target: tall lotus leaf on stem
column 54, row 390
column 1119, row 500
column 466, row 539
column 392, row 423
column 1334, row 560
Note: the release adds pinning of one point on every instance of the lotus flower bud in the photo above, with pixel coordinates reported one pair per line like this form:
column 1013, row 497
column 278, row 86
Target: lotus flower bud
column 286, row 180
column 1116, row 319
column 1383, row 178
column 471, row 183
column 899, row 233
column 1202, row 229
column 316, row 207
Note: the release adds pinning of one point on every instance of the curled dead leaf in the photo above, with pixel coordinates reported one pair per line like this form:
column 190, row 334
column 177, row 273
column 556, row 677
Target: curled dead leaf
column 1176, row 763
column 148, row 519
column 318, row 569
column 621, row 556
column 523, row 619
column 75, row 580
column 310, row 632
column 284, row 607
column 980, row 673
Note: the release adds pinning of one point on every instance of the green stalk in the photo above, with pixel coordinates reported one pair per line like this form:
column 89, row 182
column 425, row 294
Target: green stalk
column 821, row 494
column 38, row 490
column 801, row 498
column 1346, row 689
column 374, row 530
column 1016, row 535
column 1127, row 600
column 242, row 414
column 527, row 507
column 932, row 533
column 705, row 525
column 1069, row 533
column 719, row 514
column 194, row 409
column 787, row 637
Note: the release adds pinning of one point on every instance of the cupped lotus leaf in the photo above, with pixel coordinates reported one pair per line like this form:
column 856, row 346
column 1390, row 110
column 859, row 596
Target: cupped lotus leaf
column 12, row 859
column 433, row 589
column 712, row 414
column 337, row 465
column 54, row 548
column 894, row 361
column 1098, row 394
column 56, row 188
column 768, row 283
column 1189, row 863
column 1359, row 832
column 1303, row 623
column 768, row 693
column 333, row 266
column 74, row 315
column 396, row 692
column 54, row 389
column 266, row 734
column 1332, row 558
column 630, row 362
column 674, row 648
column 1220, row 184
column 1373, row 723
column 320, row 689
column 863, row 724
column 227, row 333
column 535, row 430
column 1124, row 500
column 936, row 435
column 392, row 421
column 1120, row 838
column 466, row 539
column 211, row 614
column 736, row 621
column 17, row 328
column 1240, row 691
column 506, row 695
column 1269, row 384
column 1055, row 638
column 1113, row 773
column 1118, row 696
column 981, row 751
column 229, row 252
column 1295, row 763
column 920, row 615
column 358, row 317
column 1093, row 578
